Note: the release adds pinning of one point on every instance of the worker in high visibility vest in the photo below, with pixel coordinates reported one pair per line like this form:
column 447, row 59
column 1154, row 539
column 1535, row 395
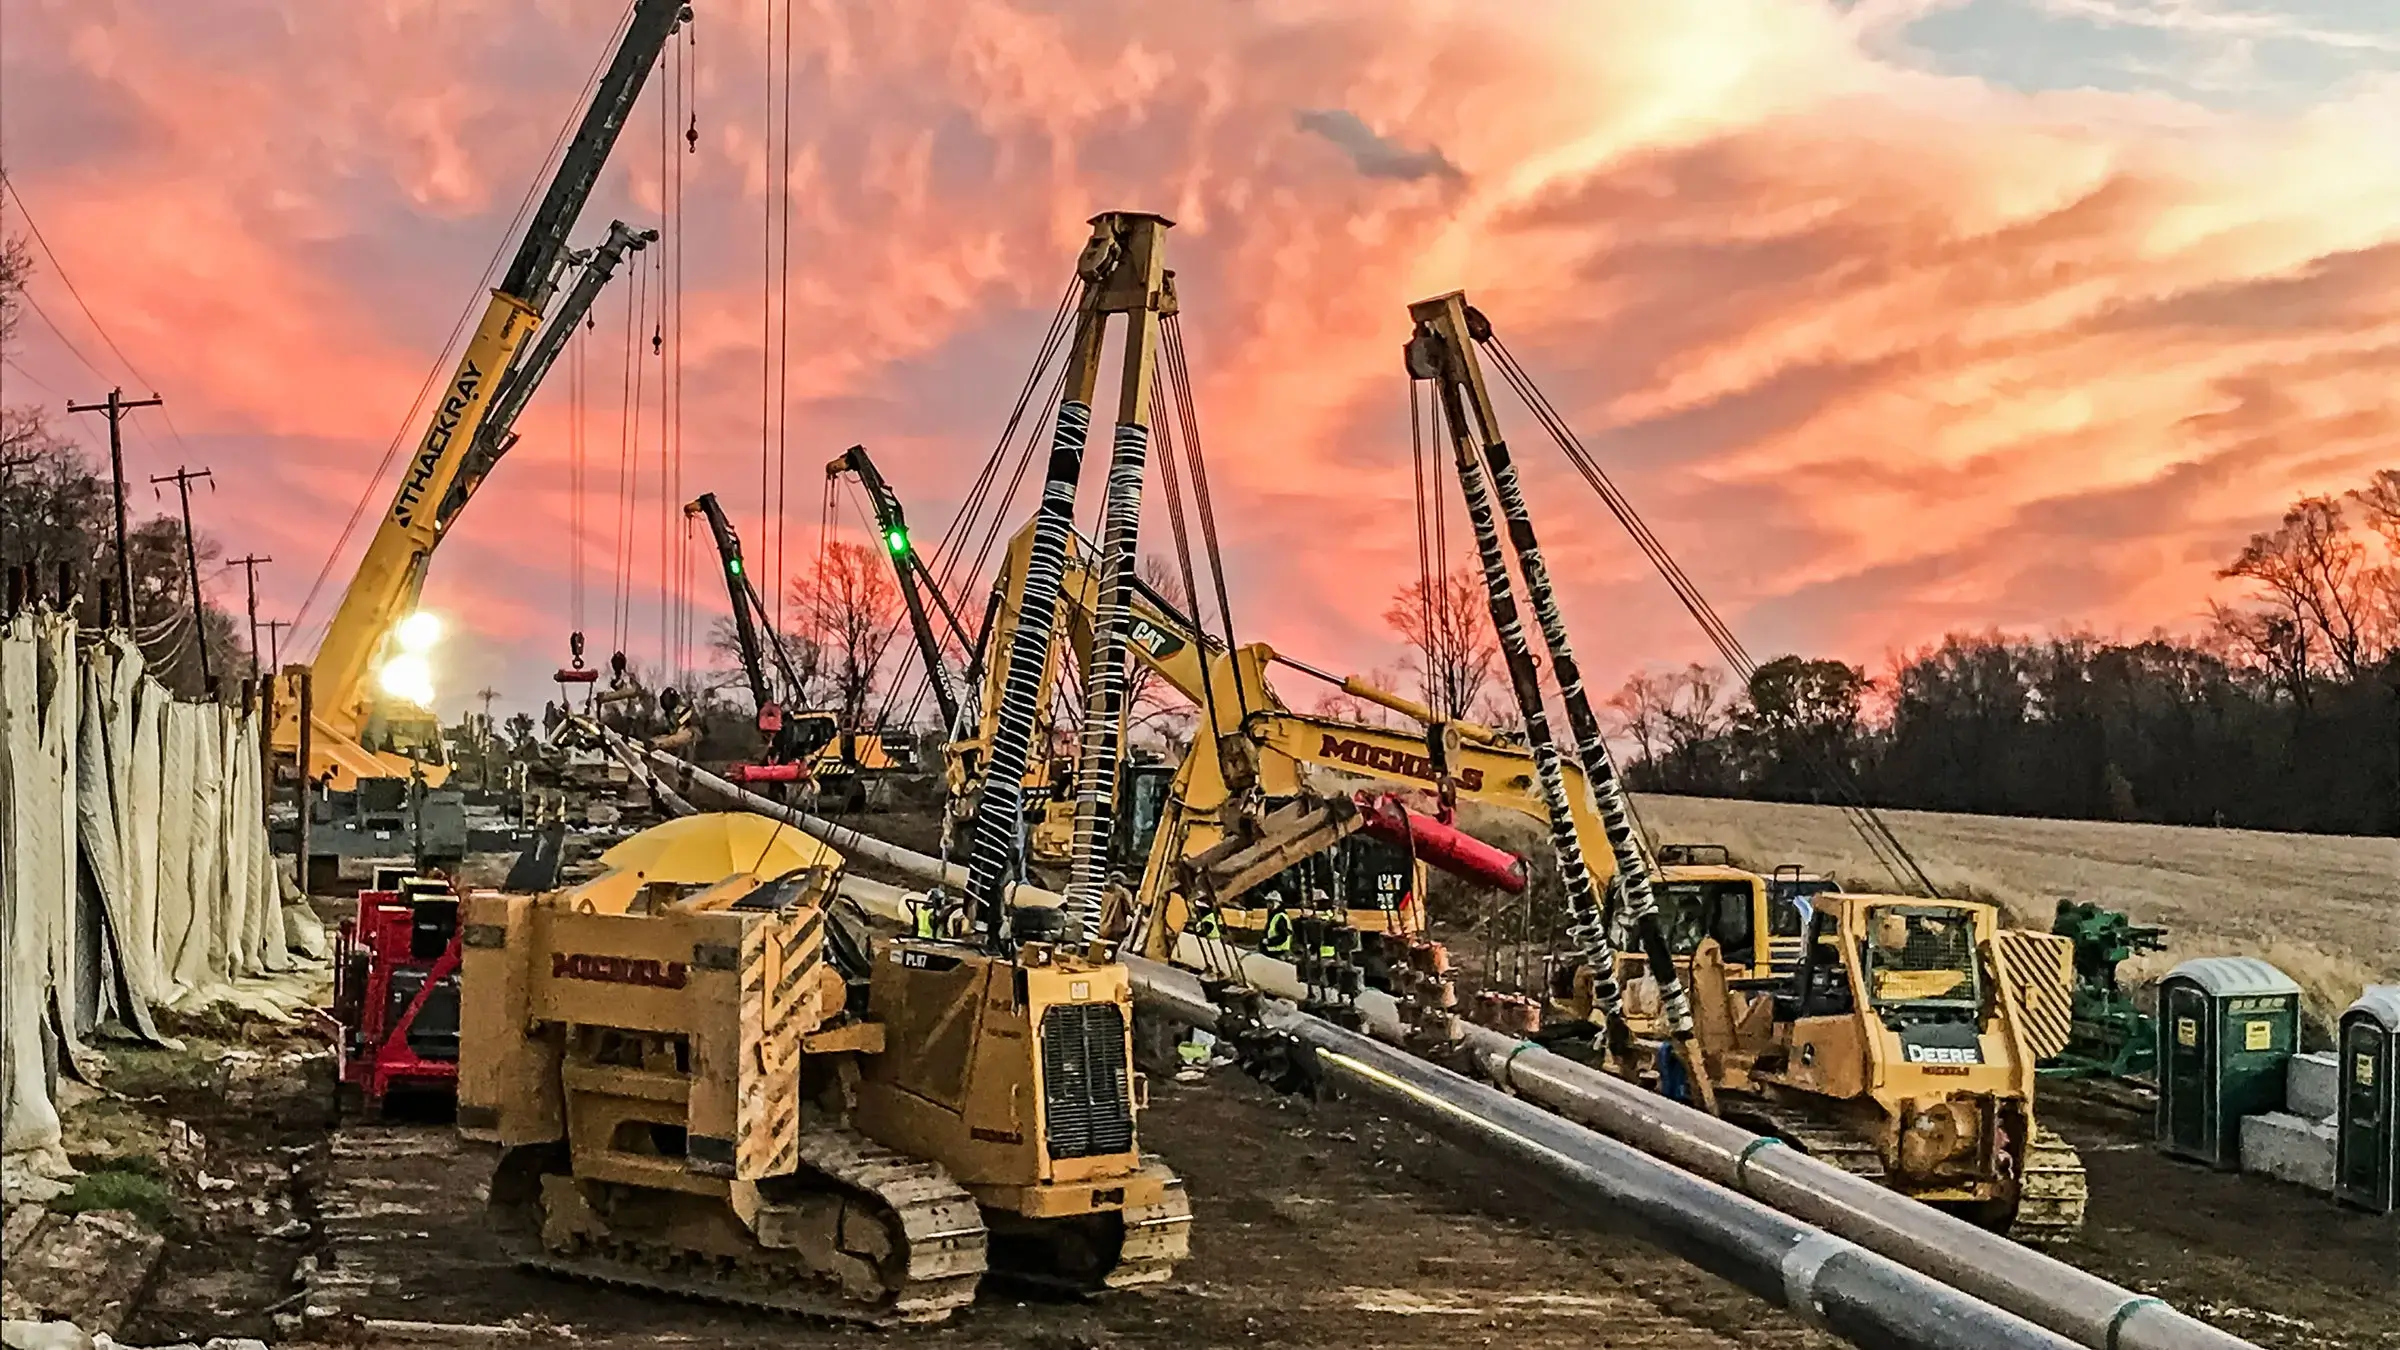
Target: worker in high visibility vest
column 1322, row 904
column 925, row 917
column 1206, row 922
column 1278, row 939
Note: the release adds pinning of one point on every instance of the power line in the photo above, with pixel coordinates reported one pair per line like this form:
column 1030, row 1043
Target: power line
column 69, row 282
column 39, row 383
column 60, row 333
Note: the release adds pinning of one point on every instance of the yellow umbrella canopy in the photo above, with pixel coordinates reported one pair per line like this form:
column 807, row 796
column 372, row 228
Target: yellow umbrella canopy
column 698, row 850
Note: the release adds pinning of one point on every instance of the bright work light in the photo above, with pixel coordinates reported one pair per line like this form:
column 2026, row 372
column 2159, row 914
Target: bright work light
column 408, row 678
column 419, row 631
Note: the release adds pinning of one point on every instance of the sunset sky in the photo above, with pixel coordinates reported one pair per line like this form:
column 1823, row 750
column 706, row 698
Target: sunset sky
column 1895, row 316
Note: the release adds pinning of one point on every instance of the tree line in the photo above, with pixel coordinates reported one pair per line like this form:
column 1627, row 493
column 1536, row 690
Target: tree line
column 2283, row 713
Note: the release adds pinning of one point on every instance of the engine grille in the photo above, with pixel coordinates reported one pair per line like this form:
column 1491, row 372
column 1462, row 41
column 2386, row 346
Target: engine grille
column 1088, row 1104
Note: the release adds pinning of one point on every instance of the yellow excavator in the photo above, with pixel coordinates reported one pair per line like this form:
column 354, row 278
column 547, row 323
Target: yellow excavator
column 362, row 709
column 708, row 1081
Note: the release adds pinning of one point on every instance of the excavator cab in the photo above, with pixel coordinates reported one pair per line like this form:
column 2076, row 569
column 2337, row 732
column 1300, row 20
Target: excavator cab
column 1142, row 789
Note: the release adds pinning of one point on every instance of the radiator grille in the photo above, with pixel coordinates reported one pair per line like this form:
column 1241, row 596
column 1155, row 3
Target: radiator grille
column 1088, row 1104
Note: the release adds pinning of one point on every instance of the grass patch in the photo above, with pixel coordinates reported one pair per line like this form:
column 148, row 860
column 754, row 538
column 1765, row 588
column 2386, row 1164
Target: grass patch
column 131, row 1185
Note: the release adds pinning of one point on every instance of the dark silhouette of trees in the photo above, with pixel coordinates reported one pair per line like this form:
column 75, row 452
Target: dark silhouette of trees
column 2283, row 715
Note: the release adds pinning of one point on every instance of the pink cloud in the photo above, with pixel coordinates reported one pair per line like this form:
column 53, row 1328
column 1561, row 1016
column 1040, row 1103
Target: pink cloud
column 1881, row 353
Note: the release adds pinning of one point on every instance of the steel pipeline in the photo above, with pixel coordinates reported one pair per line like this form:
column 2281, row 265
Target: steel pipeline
column 2046, row 1292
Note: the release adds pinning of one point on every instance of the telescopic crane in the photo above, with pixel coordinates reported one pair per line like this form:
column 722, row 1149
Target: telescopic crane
column 376, row 641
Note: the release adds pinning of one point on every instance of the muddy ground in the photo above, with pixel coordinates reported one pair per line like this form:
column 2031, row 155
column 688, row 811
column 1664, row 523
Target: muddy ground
column 2279, row 1264
column 1316, row 1224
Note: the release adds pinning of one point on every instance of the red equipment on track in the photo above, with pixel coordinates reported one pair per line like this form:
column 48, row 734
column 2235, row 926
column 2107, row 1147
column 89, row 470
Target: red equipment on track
column 395, row 989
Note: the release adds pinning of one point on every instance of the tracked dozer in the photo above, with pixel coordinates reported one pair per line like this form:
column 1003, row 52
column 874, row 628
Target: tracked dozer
column 706, row 1082
column 1902, row 1047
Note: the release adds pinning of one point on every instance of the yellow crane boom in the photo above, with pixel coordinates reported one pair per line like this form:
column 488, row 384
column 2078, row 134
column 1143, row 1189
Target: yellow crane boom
column 351, row 732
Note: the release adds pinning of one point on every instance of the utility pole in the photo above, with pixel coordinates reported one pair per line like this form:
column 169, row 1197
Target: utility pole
column 115, row 406
column 490, row 733
column 182, row 479
column 249, row 566
column 275, row 629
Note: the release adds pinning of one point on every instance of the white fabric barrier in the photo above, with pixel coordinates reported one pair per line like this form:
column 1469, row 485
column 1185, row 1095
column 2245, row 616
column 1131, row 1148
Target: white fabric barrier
column 131, row 816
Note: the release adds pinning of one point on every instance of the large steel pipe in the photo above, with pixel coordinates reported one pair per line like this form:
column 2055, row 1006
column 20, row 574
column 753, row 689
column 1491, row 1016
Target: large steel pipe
column 2092, row 1311
column 1866, row 1299
column 2089, row 1311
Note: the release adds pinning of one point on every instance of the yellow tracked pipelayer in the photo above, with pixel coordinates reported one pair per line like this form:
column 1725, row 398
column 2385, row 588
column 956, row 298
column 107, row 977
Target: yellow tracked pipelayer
column 705, row 1085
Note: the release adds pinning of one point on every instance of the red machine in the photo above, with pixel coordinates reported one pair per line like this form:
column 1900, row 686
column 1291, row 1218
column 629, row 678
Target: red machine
column 395, row 989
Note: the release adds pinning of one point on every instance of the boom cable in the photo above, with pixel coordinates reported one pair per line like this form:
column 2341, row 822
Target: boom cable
column 1864, row 818
column 446, row 358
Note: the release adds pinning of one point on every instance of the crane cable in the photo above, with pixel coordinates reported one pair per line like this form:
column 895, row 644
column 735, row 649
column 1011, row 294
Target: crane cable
column 1219, row 953
column 445, row 359
column 686, row 97
column 1426, row 576
column 951, row 549
column 578, row 385
column 980, row 513
column 1179, row 377
column 629, row 461
column 1877, row 834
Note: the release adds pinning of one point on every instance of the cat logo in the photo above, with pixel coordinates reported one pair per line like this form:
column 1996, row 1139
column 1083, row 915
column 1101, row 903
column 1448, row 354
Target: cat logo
column 1155, row 642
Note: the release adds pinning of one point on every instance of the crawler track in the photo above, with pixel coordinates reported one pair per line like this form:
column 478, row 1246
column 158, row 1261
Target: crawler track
column 904, row 1244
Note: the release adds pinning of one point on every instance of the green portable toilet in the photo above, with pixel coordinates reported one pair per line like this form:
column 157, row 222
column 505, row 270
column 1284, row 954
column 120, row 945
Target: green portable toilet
column 2226, row 1027
column 2366, row 1160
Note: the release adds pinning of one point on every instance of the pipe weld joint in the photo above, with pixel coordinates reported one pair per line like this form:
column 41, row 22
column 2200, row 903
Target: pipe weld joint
column 1800, row 1267
column 2125, row 1312
column 1741, row 1160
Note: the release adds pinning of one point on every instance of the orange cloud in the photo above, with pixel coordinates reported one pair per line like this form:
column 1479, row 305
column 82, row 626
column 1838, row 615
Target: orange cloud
column 1881, row 352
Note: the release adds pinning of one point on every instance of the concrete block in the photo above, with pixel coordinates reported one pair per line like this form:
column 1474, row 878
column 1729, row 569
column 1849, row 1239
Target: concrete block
column 2289, row 1148
column 2312, row 1085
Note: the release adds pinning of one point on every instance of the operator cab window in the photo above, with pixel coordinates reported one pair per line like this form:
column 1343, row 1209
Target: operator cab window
column 1922, row 964
column 1693, row 910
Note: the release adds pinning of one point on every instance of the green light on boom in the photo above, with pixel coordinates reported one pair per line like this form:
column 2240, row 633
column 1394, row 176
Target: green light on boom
column 896, row 539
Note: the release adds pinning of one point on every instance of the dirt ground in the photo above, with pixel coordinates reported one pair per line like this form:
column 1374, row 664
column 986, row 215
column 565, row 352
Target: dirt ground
column 1315, row 1225
column 2263, row 1259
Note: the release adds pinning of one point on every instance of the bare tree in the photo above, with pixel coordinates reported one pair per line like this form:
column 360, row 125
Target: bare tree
column 2379, row 503
column 1449, row 630
column 2314, row 571
column 1696, row 716
column 849, row 606
column 1637, row 713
